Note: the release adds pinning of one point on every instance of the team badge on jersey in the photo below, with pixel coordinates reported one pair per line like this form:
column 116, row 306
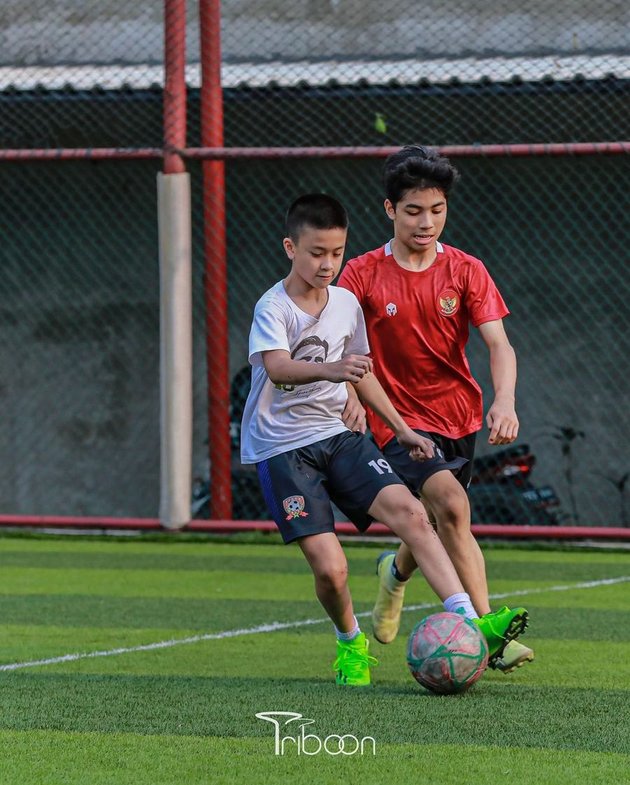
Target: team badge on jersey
column 391, row 309
column 448, row 302
column 294, row 507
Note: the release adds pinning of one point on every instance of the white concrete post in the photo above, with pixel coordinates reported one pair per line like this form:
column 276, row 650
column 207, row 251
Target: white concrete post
column 174, row 221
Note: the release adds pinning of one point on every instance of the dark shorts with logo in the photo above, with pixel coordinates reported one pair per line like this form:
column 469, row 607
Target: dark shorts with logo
column 299, row 485
column 454, row 454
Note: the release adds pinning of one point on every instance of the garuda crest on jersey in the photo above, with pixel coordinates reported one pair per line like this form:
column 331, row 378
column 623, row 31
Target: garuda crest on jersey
column 448, row 302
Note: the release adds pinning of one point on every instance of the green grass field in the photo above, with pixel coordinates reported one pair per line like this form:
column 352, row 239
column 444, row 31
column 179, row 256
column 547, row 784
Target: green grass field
column 184, row 711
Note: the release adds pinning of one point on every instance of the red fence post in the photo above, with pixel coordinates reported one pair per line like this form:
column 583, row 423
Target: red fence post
column 215, row 279
column 174, row 107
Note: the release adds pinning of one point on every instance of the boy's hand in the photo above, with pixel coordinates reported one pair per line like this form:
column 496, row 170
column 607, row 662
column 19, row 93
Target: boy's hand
column 353, row 415
column 351, row 369
column 420, row 448
column 502, row 422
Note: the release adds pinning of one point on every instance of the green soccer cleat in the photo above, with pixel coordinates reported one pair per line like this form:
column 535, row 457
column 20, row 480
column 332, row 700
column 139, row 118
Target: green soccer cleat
column 353, row 662
column 389, row 602
column 514, row 656
column 500, row 628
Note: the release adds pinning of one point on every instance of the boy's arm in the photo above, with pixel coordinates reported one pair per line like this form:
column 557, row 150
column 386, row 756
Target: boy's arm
column 370, row 391
column 281, row 369
column 501, row 418
column 353, row 415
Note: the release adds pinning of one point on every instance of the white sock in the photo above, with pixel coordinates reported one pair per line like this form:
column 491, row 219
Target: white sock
column 349, row 636
column 460, row 602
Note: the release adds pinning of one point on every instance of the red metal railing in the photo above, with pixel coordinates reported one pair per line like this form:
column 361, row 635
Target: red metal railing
column 231, row 527
column 219, row 153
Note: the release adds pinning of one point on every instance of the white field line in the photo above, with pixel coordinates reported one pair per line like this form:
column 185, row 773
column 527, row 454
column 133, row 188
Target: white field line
column 276, row 625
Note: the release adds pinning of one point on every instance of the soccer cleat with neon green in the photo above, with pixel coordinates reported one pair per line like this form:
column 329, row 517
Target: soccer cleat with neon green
column 501, row 627
column 514, row 656
column 389, row 602
column 352, row 665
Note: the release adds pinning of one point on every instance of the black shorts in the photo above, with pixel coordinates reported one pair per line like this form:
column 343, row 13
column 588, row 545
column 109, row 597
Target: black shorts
column 299, row 485
column 455, row 454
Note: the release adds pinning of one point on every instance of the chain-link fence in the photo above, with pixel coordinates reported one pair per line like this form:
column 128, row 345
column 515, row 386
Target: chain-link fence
column 79, row 334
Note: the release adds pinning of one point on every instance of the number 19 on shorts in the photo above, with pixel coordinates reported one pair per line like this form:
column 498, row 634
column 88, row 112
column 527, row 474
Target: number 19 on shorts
column 381, row 466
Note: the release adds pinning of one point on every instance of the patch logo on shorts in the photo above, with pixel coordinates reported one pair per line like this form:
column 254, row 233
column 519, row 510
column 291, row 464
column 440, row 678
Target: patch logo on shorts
column 448, row 302
column 294, row 507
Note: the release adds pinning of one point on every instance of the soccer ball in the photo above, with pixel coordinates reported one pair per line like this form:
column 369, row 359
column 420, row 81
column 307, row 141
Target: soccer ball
column 446, row 653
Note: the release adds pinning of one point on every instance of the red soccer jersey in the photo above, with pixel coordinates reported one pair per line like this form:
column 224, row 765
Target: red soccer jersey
column 417, row 324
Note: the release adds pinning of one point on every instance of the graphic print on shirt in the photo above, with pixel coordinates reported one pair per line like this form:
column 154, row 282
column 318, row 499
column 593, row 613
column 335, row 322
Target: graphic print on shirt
column 294, row 507
column 391, row 309
column 448, row 302
column 312, row 349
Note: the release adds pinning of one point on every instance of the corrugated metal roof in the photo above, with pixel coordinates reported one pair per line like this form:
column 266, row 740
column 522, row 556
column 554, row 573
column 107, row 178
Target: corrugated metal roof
column 284, row 74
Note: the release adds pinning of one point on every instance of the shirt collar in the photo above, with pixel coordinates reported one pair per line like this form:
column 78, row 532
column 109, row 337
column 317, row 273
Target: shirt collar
column 388, row 247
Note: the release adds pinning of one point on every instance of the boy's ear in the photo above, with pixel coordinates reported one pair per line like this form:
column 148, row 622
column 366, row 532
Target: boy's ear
column 389, row 209
column 289, row 247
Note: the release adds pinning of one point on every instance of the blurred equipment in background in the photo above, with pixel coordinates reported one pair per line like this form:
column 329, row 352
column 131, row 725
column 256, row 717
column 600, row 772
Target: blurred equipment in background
column 501, row 490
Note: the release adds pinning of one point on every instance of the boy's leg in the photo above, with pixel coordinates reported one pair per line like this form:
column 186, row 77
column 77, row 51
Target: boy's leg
column 389, row 601
column 446, row 500
column 436, row 471
column 330, row 570
column 448, row 505
column 293, row 484
column 451, row 508
column 406, row 516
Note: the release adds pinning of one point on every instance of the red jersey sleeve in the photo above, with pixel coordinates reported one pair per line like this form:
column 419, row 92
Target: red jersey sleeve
column 352, row 279
column 483, row 299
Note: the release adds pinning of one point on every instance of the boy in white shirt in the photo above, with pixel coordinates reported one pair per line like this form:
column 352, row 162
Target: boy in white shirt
column 307, row 340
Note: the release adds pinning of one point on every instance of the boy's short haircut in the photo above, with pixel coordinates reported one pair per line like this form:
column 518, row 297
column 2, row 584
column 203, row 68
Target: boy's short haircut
column 417, row 167
column 318, row 211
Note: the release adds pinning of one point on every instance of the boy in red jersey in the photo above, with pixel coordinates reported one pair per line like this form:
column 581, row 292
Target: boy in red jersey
column 418, row 298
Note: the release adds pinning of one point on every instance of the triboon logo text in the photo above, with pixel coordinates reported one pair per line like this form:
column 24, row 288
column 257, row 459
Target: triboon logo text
column 290, row 736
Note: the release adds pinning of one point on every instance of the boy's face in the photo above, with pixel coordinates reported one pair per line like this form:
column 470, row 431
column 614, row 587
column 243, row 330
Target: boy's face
column 317, row 255
column 418, row 217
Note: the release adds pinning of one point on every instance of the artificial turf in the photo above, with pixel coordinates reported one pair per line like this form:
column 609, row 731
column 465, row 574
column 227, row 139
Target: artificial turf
column 185, row 713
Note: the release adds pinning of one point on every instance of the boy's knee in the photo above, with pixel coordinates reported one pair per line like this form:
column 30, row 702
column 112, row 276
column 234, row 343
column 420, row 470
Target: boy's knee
column 333, row 578
column 408, row 509
column 453, row 509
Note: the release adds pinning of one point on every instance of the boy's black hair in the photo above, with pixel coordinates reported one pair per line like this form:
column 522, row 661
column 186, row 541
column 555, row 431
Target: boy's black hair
column 319, row 211
column 416, row 167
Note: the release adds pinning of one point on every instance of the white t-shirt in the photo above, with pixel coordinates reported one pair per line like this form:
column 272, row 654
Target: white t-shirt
column 280, row 418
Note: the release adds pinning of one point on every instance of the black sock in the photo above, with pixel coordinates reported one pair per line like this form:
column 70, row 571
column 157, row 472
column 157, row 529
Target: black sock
column 397, row 574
